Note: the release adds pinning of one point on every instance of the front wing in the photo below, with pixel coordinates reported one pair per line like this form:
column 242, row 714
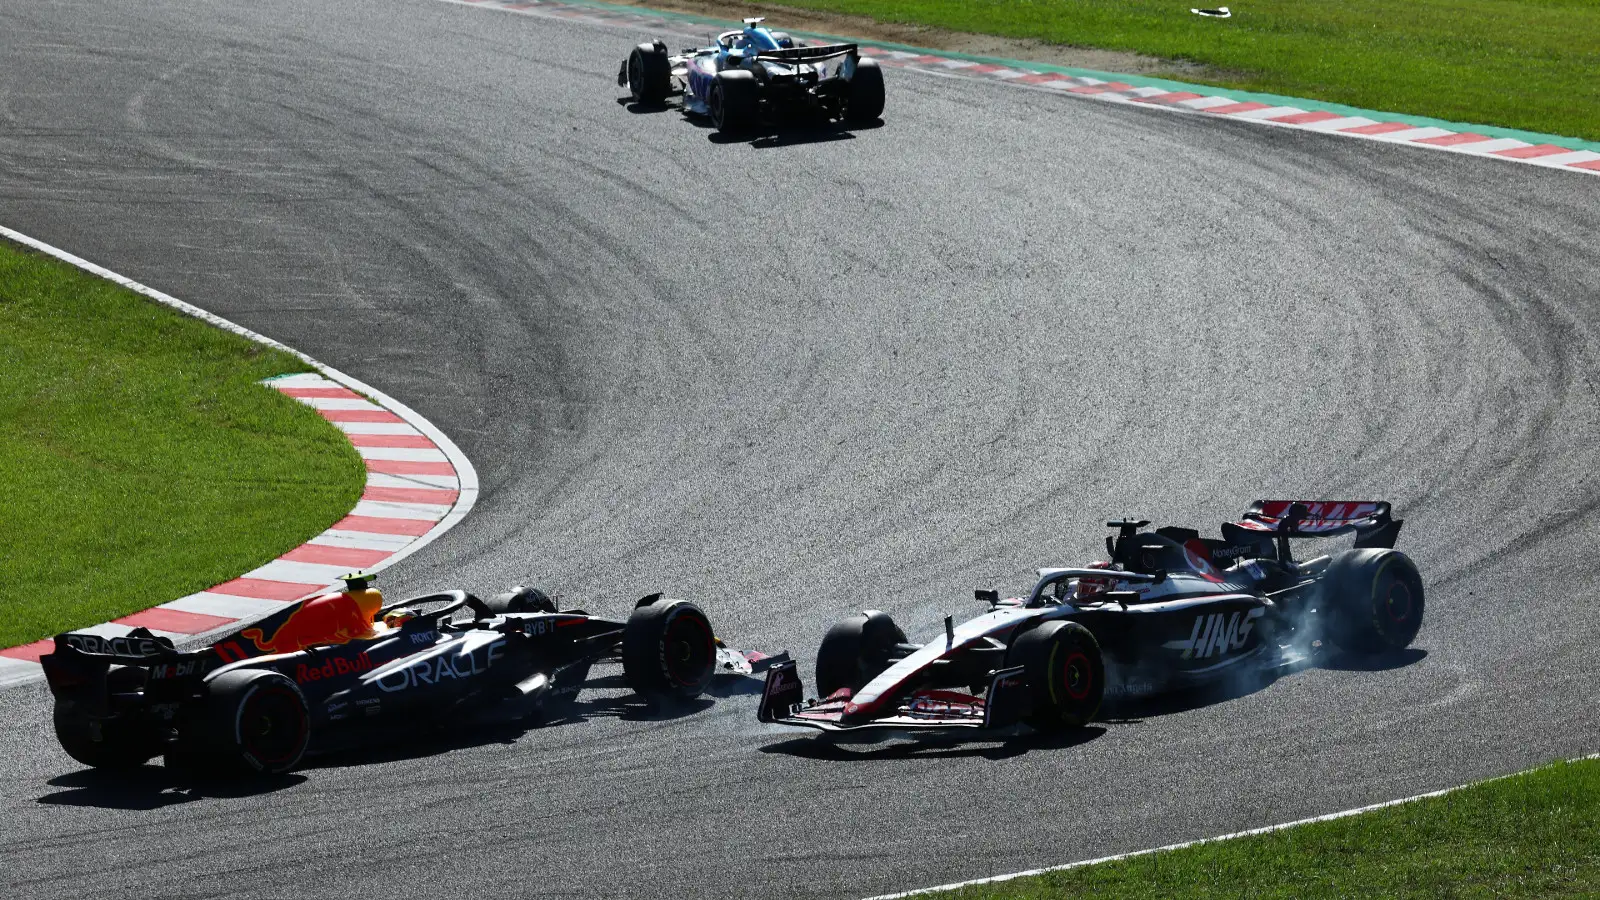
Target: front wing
column 1002, row 705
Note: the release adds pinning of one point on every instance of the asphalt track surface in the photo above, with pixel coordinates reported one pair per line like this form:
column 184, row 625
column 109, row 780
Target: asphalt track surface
column 793, row 377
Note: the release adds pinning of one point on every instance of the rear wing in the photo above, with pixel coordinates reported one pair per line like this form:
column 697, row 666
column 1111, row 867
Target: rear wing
column 1369, row 520
column 81, row 660
column 809, row 54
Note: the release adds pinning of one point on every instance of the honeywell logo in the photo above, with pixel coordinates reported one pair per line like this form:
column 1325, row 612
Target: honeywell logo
column 1216, row 633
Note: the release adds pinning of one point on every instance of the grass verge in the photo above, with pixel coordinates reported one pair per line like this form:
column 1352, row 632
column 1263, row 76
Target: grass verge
column 139, row 458
column 1526, row 64
column 1536, row 834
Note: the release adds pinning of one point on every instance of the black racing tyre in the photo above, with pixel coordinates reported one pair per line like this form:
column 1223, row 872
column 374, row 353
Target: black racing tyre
column 105, row 743
column 255, row 721
column 735, row 101
column 649, row 74
column 855, row 651
column 1065, row 674
column 1372, row 600
column 864, row 102
column 520, row 600
column 668, row 650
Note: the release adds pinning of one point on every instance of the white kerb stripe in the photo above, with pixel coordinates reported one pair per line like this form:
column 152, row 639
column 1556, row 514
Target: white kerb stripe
column 376, row 428
column 224, row 605
column 315, row 574
column 1566, row 159
column 1339, row 124
column 339, row 403
column 361, row 540
column 1271, row 112
column 1410, row 134
column 403, row 454
column 303, row 380
column 1494, row 146
column 384, row 509
column 1206, row 102
column 382, row 479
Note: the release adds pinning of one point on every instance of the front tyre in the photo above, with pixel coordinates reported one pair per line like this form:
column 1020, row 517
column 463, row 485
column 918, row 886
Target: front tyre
column 668, row 650
column 735, row 101
column 864, row 102
column 1065, row 674
column 855, row 651
column 649, row 74
column 1372, row 600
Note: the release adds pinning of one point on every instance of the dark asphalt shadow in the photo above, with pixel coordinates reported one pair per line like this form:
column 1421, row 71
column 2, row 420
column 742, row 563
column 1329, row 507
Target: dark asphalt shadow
column 154, row 787
column 1381, row 662
column 396, row 744
column 642, row 109
column 992, row 746
column 789, row 134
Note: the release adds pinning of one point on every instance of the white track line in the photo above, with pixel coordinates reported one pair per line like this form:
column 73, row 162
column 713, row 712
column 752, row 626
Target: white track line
column 995, row 879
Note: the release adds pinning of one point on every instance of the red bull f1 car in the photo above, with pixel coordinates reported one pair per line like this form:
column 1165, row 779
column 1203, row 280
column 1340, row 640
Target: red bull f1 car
column 1170, row 611
column 755, row 75
column 339, row 667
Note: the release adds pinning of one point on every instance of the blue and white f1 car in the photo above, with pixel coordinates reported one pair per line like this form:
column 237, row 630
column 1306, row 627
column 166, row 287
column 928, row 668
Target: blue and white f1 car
column 757, row 75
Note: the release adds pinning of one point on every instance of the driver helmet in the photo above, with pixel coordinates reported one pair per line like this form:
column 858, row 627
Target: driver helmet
column 1088, row 587
column 398, row 616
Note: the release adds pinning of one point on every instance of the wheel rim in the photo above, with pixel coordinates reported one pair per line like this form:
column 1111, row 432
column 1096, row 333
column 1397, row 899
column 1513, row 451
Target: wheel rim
column 273, row 726
column 687, row 650
column 1078, row 675
column 1398, row 604
column 635, row 77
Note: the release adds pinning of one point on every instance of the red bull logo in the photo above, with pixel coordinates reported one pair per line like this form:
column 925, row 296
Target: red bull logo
column 328, row 619
column 333, row 668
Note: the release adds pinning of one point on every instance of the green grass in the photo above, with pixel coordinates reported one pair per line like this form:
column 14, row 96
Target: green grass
column 1536, row 834
column 139, row 458
column 1526, row 64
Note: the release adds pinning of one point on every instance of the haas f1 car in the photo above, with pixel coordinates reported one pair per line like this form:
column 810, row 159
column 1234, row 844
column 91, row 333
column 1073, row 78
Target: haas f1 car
column 335, row 668
column 757, row 75
column 1170, row 611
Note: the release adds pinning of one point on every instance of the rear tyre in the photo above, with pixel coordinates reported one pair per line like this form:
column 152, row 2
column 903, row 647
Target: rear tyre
column 864, row 102
column 735, row 101
column 115, row 744
column 1372, row 600
column 255, row 722
column 855, row 651
column 520, row 600
column 1065, row 673
column 649, row 74
column 668, row 650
